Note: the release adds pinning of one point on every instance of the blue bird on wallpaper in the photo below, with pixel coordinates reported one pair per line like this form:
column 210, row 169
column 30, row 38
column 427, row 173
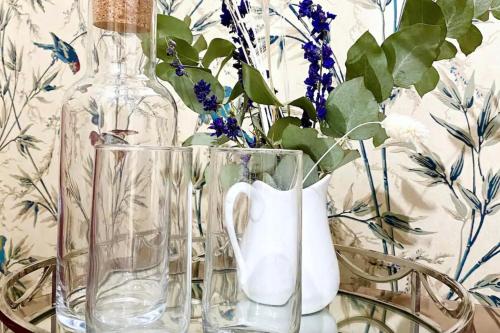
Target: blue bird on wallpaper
column 62, row 51
column 3, row 258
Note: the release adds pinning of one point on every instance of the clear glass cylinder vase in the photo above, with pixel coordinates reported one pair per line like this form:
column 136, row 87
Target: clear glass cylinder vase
column 118, row 101
column 253, row 248
column 138, row 277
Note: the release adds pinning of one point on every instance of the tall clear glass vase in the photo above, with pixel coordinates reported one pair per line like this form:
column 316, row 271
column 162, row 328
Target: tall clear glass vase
column 119, row 101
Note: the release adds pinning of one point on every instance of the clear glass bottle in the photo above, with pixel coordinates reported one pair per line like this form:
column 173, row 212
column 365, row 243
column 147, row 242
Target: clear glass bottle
column 119, row 101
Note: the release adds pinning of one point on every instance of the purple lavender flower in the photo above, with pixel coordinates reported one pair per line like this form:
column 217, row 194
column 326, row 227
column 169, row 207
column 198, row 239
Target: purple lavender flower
column 219, row 126
column 321, row 21
column 229, row 128
column 320, row 56
column 321, row 107
column 210, row 104
column 202, row 89
column 171, row 48
column 233, row 129
column 305, row 8
column 311, row 52
column 179, row 68
column 327, row 55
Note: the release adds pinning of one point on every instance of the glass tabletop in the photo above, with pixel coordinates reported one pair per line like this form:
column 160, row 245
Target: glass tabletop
column 347, row 313
column 369, row 306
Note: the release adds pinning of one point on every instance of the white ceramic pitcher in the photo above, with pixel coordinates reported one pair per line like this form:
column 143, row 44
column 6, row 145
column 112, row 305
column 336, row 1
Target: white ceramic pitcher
column 320, row 268
column 267, row 256
column 266, row 263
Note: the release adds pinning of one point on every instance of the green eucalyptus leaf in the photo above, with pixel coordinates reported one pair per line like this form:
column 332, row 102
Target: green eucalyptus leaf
column 481, row 7
column 471, row 40
column 349, row 106
column 263, row 163
column 367, row 59
column 380, row 137
column 423, row 11
column 172, row 27
column 200, row 139
column 229, row 175
column 269, row 180
column 187, row 54
column 183, row 85
column 218, row 48
column 411, row 51
column 349, row 156
column 458, row 14
column 495, row 9
column 485, row 17
column 428, row 82
column 276, row 131
column 161, row 49
column 285, row 172
column 236, row 92
column 308, row 165
column 200, row 44
column 256, row 87
column 447, row 51
column 306, row 105
column 307, row 140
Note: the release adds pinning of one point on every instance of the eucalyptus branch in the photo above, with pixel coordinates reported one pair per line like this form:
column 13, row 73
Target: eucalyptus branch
column 338, row 142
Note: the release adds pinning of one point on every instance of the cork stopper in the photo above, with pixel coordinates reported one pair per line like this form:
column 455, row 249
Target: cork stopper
column 123, row 15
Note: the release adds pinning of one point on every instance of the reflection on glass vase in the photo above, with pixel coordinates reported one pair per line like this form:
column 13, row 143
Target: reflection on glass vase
column 119, row 101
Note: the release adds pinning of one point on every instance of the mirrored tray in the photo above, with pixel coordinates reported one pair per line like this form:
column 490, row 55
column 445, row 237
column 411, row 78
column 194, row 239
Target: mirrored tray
column 379, row 293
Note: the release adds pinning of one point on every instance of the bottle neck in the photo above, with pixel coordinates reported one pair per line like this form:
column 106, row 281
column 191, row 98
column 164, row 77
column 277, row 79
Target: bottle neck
column 116, row 39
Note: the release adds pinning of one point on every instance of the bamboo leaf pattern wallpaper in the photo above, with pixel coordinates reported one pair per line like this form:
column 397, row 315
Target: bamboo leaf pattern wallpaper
column 443, row 192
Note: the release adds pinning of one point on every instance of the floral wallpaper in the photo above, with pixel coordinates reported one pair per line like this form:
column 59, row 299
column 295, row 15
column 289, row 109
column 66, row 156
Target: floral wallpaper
column 447, row 186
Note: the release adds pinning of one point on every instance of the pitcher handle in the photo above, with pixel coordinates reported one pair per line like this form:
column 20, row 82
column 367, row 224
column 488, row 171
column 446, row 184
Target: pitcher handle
column 229, row 202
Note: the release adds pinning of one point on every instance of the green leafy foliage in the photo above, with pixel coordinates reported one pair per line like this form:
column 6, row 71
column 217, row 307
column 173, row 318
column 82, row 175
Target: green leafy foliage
column 428, row 82
column 236, row 92
column 307, row 140
column 459, row 15
column 256, row 87
column 201, row 139
column 187, row 54
column 380, row 137
column 218, row 48
column 183, row 85
column 423, row 11
column 172, row 27
column 200, row 44
column 350, row 105
column 471, row 40
column 495, row 9
column 367, row 59
column 306, row 105
column 307, row 166
column 276, row 131
column 481, row 7
column 412, row 51
column 447, row 51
